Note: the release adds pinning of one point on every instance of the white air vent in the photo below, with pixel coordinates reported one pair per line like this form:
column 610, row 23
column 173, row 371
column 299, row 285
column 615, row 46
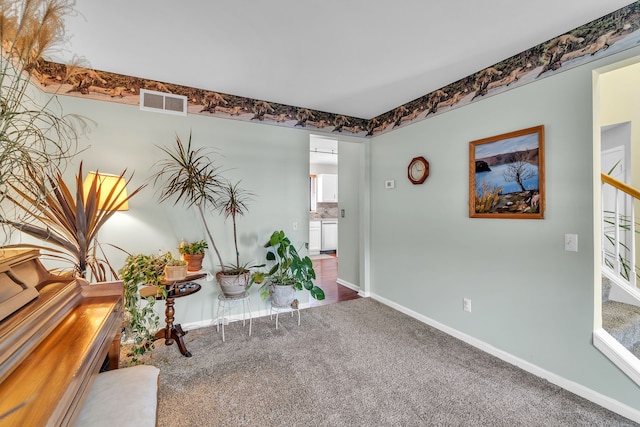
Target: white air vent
column 163, row 102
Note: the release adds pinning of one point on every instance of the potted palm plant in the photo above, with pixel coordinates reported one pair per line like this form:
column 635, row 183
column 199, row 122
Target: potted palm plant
column 233, row 203
column 289, row 272
column 36, row 138
column 193, row 253
column 67, row 221
column 191, row 176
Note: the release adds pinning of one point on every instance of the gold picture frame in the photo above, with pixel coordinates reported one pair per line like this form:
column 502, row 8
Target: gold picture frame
column 506, row 175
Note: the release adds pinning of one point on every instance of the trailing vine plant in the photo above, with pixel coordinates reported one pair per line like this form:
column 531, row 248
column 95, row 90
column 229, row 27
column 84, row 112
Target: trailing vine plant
column 141, row 321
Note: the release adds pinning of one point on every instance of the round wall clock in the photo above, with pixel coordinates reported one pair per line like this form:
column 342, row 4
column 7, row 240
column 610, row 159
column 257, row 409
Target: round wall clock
column 418, row 170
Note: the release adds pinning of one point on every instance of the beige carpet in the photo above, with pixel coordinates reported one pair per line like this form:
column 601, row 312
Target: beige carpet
column 355, row 363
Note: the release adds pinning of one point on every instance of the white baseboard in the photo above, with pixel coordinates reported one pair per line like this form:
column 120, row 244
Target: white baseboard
column 621, row 291
column 234, row 318
column 617, row 353
column 200, row 324
column 578, row 389
column 348, row 285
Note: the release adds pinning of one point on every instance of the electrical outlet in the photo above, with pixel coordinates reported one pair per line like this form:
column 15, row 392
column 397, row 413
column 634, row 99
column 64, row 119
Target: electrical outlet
column 466, row 304
column 390, row 184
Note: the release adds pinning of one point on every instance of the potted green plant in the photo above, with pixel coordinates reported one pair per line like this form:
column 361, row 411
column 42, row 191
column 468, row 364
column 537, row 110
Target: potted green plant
column 234, row 278
column 190, row 176
column 67, row 221
column 141, row 321
column 289, row 272
column 36, row 137
column 175, row 269
column 193, row 253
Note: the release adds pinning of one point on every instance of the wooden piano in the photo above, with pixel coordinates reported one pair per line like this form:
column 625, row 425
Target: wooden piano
column 52, row 348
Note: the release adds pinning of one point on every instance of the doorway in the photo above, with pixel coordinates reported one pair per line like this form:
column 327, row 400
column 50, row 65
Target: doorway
column 323, row 196
column 615, row 143
column 616, row 89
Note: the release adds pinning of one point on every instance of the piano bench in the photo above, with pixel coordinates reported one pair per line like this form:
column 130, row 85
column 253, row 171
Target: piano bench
column 122, row 397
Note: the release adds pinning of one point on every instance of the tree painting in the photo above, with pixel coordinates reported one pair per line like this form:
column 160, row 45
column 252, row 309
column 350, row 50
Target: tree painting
column 519, row 170
column 506, row 175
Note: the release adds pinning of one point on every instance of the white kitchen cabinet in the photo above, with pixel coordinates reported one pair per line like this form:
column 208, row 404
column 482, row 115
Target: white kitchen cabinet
column 330, row 235
column 327, row 188
column 315, row 237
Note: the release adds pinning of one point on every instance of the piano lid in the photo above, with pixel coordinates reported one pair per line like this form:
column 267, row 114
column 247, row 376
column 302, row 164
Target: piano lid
column 14, row 291
column 29, row 310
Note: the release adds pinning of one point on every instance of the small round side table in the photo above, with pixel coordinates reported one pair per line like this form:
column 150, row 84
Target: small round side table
column 224, row 305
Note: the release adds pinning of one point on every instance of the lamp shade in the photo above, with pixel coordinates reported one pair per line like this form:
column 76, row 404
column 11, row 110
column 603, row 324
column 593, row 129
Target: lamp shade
column 106, row 183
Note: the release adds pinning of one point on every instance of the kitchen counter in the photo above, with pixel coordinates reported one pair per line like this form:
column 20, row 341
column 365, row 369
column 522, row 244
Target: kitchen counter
column 323, row 234
column 313, row 216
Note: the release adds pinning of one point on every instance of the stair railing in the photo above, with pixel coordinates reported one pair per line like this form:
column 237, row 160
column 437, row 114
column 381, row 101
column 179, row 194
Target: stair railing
column 619, row 231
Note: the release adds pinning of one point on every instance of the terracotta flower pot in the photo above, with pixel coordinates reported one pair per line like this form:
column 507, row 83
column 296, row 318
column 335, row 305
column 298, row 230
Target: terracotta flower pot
column 175, row 272
column 194, row 262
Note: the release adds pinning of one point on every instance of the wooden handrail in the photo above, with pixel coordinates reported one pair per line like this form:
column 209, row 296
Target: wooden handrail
column 620, row 185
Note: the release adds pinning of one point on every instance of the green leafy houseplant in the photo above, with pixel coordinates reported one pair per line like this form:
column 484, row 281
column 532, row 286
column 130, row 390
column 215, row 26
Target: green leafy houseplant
column 193, row 254
column 141, row 321
column 288, row 268
column 190, row 176
column 233, row 203
column 176, row 269
column 194, row 248
column 175, row 262
column 234, row 279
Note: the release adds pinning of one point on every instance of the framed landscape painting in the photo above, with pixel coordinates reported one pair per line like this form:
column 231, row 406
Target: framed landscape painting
column 506, row 175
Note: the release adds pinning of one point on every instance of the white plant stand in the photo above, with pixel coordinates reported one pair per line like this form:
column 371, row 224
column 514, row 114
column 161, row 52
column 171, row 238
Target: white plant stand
column 277, row 309
column 224, row 306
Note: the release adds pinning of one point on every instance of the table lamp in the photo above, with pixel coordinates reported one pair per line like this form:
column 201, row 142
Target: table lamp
column 107, row 183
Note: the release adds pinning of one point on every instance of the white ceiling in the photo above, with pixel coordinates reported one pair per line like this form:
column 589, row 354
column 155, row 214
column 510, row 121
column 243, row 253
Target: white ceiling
column 360, row 58
column 323, row 151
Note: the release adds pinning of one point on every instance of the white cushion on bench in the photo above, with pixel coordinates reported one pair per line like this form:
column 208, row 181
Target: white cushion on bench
column 122, row 397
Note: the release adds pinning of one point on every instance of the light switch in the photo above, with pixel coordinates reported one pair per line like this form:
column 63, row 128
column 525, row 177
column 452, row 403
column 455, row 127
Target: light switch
column 571, row 242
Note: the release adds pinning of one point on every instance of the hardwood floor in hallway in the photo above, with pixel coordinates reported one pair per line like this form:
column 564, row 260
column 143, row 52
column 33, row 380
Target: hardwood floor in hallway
column 326, row 277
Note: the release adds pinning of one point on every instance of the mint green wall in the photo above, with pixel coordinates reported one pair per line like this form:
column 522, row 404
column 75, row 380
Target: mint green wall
column 273, row 162
column 351, row 184
column 529, row 297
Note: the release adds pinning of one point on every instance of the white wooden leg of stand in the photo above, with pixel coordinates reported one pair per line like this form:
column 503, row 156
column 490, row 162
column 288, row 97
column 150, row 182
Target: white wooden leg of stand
column 220, row 320
column 277, row 310
column 248, row 311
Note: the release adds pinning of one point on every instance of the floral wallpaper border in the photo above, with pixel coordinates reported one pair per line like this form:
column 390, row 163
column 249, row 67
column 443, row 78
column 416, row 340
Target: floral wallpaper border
column 602, row 37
